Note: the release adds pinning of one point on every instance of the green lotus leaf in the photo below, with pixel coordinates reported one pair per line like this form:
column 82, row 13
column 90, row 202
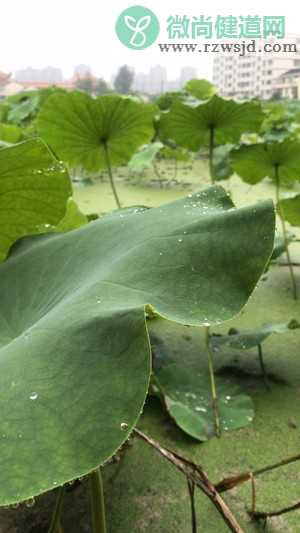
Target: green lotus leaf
column 73, row 219
column 256, row 162
column 84, row 131
column 10, row 134
column 290, row 209
column 187, row 398
column 165, row 100
column 201, row 89
column 4, row 109
column 280, row 244
column 177, row 154
column 74, row 348
column 24, row 109
column 144, row 157
column 191, row 126
column 244, row 340
column 221, row 165
column 34, row 189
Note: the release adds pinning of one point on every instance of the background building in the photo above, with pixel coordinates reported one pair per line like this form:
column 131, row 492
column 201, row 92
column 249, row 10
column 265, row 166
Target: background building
column 49, row 75
column 255, row 74
column 156, row 80
column 288, row 84
column 187, row 74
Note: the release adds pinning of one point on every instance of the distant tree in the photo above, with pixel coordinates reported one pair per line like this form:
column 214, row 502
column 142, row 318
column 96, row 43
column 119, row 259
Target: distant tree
column 101, row 87
column 85, row 84
column 124, row 80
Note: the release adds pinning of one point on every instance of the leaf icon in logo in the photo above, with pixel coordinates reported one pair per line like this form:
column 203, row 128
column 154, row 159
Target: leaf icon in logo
column 144, row 22
column 138, row 38
column 130, row 22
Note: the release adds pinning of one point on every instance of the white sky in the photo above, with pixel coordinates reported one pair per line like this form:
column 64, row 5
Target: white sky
column 64, row 33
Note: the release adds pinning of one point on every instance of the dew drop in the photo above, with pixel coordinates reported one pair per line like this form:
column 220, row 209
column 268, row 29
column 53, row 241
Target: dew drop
column 33, row 396
column 202, row 409
column 124, row 426
column 190, row 395
column 180, row 240
column 30, row 503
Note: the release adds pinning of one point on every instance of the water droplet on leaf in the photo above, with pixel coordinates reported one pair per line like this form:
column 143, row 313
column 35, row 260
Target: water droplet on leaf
column 34, row 396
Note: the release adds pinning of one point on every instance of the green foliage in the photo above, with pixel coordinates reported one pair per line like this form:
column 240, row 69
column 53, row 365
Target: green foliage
column 226, row 120
column 187, row 398
column 4, row 109
column 176, row 153
column 10, row 134
column 282, row 121
column 83, row 131
column 258, row 161
column 280, row 245
column 200, row 89
column 191, row 126
column 165, row 100
column 21, row 109
column 290, row 209
column 34, row 189
column 73, row 218
column 221, row 164
column 24, row 109
column 145, row 156
column 74, row 348
column 244, row 340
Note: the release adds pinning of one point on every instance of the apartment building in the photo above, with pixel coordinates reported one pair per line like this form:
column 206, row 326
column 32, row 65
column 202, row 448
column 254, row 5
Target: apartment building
column 255, row 74
column 288, row 84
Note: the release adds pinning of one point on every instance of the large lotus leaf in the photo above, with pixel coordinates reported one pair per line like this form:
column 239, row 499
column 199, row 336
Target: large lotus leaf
column 34, row 188
column 201, row 89
column 144, row 157
column 190, row 126
column 187, row 398
column 255, row 162
column 79, row 127
column 290, row 209
column 75, row 355
column 244, row 340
